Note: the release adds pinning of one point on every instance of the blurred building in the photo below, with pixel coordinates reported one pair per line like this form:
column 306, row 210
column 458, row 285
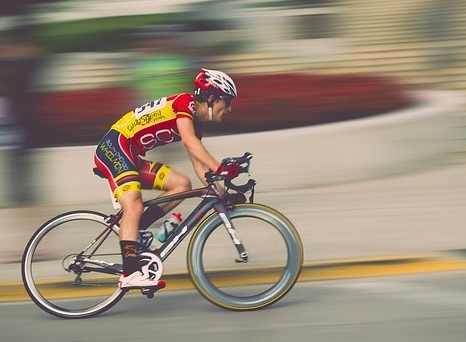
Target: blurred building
column 421, row 41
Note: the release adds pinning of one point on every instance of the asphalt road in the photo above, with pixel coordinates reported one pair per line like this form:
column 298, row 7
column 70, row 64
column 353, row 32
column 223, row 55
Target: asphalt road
column 421, row 308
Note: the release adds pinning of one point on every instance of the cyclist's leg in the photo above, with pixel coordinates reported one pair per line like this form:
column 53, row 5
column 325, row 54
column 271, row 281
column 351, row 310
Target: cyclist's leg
column 131, row 202
column 158, row 176
column 175, row 182
column 114, row 156
column 138, row 269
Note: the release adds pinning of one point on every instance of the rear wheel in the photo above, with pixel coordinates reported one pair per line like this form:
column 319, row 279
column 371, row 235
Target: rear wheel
column 64, row 282
column 274, row 262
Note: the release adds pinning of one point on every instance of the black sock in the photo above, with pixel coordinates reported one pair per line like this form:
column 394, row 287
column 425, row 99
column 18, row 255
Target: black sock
column 152, row 214
column 129, row 252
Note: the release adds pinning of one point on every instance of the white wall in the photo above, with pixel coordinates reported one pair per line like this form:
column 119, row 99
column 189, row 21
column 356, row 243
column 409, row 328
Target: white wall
column 294, row 158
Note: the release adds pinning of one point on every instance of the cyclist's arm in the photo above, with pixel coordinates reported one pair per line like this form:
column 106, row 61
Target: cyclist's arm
column 202, row 160
column 199, row 169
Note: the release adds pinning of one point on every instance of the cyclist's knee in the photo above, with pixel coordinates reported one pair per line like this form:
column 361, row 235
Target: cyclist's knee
column 132, row 204
column 178, row 182
column 184, row 184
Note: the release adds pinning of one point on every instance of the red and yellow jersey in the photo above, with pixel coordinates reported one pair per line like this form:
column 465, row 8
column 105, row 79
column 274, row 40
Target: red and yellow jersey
column 154, row 124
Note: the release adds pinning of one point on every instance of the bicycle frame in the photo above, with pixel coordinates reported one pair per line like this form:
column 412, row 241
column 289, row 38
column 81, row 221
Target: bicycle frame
column 211, row 200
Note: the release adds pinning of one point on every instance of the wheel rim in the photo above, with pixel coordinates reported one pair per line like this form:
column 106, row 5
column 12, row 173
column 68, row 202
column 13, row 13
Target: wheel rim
column 275, row 288
column 52, row 291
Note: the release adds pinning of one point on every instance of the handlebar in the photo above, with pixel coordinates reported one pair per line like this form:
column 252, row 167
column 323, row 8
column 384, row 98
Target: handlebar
column 245, row 159
column 241, row 188
column 243, row 164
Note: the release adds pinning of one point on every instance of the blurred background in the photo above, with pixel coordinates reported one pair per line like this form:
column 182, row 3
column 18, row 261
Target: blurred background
column 81, row 61
column 354, row 111
column 70, row 68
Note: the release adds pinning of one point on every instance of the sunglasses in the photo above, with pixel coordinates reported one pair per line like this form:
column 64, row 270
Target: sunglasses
column 228, row 100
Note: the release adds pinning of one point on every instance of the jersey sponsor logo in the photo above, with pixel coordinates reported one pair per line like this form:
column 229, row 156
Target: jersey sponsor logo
column 161, row 137
column 115, row 157
column 144, row 120
column 149, row 113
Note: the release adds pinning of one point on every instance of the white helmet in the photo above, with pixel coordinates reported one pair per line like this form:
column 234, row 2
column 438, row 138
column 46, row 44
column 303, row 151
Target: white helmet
column 214, row 82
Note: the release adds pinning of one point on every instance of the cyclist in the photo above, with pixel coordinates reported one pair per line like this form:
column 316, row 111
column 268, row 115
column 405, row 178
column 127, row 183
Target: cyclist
column 163, row 121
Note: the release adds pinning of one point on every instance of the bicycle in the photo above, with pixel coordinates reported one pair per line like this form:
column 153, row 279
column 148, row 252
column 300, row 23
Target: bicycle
column 259, row 249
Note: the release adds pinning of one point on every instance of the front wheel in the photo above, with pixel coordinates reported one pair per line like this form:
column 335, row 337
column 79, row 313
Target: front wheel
column 70, row 266
column 275, row 257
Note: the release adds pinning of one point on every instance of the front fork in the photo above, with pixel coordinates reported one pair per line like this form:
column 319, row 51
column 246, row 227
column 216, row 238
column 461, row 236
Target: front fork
column 227, row 222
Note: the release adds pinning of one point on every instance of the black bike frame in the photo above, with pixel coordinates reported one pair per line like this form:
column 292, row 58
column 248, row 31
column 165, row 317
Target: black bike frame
column 211, row 200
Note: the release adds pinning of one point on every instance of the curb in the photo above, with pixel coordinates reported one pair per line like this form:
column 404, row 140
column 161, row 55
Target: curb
column 312, row 271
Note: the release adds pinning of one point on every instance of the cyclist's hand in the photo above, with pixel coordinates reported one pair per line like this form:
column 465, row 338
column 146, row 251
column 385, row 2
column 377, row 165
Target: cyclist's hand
column 230, row 170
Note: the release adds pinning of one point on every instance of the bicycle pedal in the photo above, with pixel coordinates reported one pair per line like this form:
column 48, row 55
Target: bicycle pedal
column 149, row 291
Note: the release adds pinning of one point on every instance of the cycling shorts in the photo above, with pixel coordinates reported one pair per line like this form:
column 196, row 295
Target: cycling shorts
column 125, row 170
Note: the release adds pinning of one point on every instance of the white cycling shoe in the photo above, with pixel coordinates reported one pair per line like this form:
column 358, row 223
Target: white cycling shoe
column 138, row 280
column 148, row 276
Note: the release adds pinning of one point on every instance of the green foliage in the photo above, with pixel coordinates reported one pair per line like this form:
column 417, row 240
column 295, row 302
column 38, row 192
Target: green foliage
column 95, row 34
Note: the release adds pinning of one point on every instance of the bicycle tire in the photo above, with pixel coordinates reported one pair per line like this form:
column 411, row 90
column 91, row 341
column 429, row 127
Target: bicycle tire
column 58, row 291
column 262, row 230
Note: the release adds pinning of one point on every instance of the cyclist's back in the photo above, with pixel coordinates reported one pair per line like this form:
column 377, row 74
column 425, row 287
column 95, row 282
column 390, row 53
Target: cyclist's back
column 154, row 124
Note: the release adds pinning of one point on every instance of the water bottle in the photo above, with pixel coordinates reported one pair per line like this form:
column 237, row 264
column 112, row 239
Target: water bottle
column 168, row 227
